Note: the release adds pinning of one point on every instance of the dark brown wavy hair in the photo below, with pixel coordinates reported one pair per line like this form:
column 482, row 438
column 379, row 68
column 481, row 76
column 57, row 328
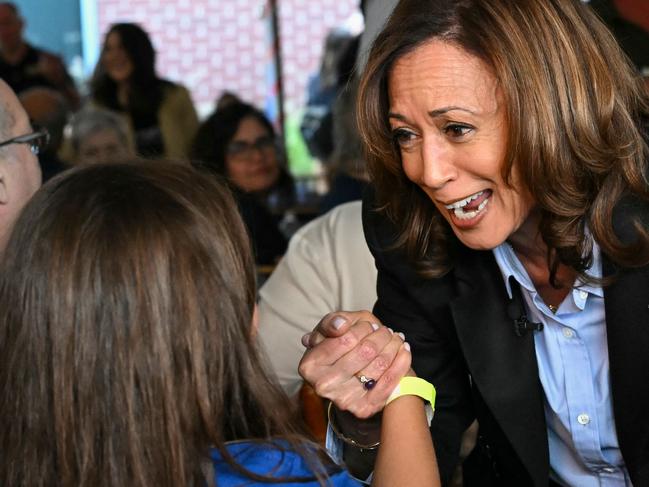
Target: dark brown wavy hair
column 575, row 110
column 147, row 89
column 126, row 302
column 210, row 146
column 215, row 134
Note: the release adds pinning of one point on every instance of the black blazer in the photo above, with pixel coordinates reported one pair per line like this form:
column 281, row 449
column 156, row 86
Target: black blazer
column 464, row 342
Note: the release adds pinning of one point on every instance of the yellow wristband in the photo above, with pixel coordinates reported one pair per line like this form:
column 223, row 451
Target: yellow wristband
column 414, row 386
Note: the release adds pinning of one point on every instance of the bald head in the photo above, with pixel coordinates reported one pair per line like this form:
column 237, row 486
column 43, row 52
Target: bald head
column 20, row 174
column 7, row 118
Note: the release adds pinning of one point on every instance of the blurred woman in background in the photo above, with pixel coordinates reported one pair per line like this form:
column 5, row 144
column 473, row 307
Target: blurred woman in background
column 98, row 135
column 238, row 142
column 160, row 113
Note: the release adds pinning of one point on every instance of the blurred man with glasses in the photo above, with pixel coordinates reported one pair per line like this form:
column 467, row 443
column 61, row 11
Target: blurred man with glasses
column 20, row 174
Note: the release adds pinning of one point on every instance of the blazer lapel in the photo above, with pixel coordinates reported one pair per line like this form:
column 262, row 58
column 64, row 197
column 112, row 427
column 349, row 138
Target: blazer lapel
column 626, row 302
column 502, row 364
column 627, row 325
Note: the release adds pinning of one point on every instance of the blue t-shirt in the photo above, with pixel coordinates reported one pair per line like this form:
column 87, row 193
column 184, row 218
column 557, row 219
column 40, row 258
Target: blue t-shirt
column 264, row 459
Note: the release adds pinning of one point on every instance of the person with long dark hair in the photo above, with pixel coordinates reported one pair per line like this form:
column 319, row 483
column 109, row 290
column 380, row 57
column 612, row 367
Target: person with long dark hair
column 239, row 143
column 507, row 145
column 160, row 112
column 127, row 345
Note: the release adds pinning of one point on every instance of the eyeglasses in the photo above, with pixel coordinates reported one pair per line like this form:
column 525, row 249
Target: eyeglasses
column 244, row 150
column 37, row 140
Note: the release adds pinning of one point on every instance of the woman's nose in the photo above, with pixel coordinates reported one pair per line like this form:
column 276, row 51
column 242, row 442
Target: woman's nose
column 256, row 153
column 438, row 165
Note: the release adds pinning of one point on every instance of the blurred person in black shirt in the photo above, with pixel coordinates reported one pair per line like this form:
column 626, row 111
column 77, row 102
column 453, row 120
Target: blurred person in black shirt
column 48, row 109
column 24, row 66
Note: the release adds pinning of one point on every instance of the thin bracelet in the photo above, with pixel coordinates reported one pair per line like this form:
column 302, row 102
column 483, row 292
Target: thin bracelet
column 347, row 439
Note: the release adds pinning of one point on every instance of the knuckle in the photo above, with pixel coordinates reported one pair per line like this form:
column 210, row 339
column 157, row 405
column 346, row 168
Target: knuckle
column 344, row 404
column 389, row 377
column 322, row 388
column 325, row 385
column 319, row 389
column 365, row 412
column 304, row 368
column 382, row 363
column 348, row 340
column 367, row 350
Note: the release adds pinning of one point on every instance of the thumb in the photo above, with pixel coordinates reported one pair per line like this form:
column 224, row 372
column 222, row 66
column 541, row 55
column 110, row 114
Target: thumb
column 336, row 324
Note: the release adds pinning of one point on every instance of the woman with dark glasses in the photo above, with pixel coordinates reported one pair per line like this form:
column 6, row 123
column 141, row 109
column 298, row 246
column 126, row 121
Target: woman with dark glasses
column 239, row 143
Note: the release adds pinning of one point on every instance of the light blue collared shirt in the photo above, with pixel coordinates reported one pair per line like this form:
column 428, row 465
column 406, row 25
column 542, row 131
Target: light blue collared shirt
column 572, row 357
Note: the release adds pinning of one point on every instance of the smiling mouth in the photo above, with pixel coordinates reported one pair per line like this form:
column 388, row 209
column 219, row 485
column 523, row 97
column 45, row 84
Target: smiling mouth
column 471, row 206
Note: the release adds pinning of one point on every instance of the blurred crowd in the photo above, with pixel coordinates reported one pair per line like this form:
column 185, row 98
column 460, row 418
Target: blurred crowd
column 135, row 275
column 132, row 111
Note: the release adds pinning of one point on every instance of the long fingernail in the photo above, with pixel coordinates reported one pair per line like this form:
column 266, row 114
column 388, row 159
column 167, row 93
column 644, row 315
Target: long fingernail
column 305, row 339
column 375, row 326
column 403, row 337
column 338, row 322
column 406, row 345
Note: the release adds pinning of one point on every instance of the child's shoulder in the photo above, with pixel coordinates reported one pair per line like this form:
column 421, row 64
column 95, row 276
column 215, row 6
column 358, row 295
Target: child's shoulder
column 276, row 459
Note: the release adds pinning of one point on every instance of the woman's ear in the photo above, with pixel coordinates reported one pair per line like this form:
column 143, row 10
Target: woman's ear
column 254, row 326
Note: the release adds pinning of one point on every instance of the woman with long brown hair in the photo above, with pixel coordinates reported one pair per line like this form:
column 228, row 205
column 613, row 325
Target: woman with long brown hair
column 510, row 227
column 128, row 357
column 160, row 113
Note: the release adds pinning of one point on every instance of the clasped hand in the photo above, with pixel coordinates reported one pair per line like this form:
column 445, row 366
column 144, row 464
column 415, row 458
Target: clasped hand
column 347, row 345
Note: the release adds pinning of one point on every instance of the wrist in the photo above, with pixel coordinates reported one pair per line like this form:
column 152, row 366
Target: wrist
column 405, row 401
column 363, row 434
column 414, row 386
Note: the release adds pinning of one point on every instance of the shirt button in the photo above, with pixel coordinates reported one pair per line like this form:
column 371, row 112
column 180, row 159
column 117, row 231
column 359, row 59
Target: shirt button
column 568, row 333
column 583, row 294
column 608, row 470
column 583, row 419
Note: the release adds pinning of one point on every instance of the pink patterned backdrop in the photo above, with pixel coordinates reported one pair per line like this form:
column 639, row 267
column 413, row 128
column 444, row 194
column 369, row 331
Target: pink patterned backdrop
column 216, row 45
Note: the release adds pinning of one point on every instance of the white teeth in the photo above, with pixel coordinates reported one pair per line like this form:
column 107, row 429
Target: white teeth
column 467, row 215
column 464, row 202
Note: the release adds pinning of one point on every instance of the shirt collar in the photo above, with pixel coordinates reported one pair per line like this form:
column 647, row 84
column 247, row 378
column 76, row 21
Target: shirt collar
column 510, row 266
column 594, row 271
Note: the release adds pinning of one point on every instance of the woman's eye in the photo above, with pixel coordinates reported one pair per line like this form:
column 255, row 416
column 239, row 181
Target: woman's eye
column 456, row 131
column 403, row 137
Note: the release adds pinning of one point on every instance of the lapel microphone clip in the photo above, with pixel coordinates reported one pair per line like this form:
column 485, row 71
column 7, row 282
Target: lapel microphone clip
column 522, row 325
column 516, row 311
